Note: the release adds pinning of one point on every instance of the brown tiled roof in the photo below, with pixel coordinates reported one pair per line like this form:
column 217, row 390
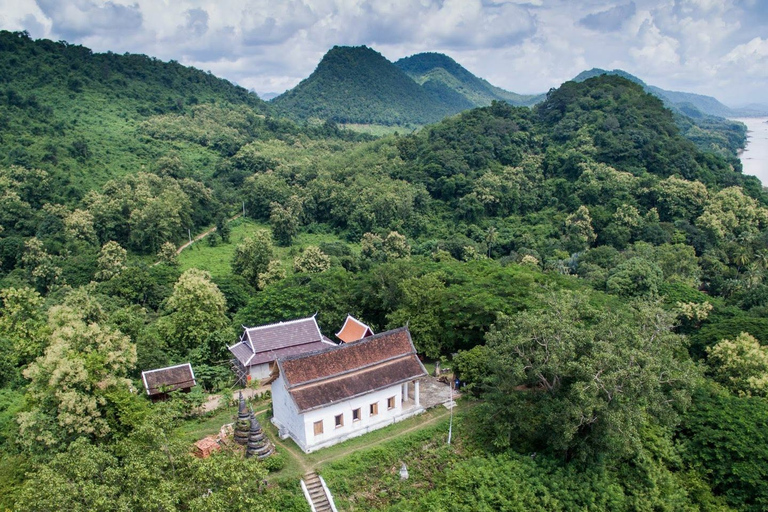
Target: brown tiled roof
column 351, row 370
column 268, row 342
column 168, row 379
column 283, row 334
column 353, row 330
column 248, row 358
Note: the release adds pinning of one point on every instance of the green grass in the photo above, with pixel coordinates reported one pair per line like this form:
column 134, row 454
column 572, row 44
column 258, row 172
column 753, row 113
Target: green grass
column 217, row 260
column 368, row 478
column 297, row 461
column 381, row 130
column 198, row 428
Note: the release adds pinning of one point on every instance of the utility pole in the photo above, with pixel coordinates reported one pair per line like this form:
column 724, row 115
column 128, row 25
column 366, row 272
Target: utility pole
column 450, row 422
column 189, row 233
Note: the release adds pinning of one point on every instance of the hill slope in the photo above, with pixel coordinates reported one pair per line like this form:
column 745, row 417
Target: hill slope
column 700, row 118
column 431, row 69
column 705, row 104
column 359, row 85
column 85, row 117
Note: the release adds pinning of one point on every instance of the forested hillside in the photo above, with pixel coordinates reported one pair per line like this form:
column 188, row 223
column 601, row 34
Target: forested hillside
column 359, row 85
column 435, row 71
column 599, row 283
column 701, row 119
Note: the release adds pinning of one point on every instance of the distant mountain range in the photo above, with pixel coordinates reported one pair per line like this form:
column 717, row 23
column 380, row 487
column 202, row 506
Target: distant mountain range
column 690, row 104
column 359, row 85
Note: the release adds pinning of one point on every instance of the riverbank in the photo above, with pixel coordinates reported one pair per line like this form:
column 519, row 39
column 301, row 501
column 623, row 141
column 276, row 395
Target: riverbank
column 754, row 156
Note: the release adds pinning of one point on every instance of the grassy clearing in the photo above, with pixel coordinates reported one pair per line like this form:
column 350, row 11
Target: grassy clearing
column 198, row 428
column 217, row 260
column 380, row 130
column 209, row 424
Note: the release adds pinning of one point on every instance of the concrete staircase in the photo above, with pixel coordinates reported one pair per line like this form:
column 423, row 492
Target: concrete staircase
column 317, row 493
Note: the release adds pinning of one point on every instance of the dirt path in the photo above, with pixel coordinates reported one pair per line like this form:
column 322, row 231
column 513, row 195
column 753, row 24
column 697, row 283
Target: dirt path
column 298, row 457
column 214, row 401
column 203, row 235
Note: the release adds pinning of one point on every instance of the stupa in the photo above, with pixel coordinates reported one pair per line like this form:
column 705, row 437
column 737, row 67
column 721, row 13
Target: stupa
column 258, row 443
column 243, row 423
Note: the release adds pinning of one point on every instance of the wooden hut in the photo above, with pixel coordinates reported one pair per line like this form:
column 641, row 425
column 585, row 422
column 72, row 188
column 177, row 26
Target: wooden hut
column 162, row 381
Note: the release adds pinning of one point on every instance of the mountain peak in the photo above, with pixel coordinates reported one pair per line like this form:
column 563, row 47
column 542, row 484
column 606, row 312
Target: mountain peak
column 356, row 84
column 439, row 71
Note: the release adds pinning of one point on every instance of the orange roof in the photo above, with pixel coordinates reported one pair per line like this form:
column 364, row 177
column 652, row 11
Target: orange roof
column 353, row 330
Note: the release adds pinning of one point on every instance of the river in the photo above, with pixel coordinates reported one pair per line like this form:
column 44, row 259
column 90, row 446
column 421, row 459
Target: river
column 754, row 159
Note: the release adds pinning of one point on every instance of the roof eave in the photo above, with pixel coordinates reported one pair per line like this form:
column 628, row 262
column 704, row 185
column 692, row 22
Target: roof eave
column 357, row 395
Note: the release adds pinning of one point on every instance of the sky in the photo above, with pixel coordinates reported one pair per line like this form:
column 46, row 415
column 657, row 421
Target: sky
column 713, row 47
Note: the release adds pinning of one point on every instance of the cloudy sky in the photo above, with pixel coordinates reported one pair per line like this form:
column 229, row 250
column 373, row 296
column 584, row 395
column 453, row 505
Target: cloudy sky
column 714, row 47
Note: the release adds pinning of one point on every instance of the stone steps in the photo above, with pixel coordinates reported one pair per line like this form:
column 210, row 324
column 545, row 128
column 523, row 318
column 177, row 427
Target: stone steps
column 319, row 500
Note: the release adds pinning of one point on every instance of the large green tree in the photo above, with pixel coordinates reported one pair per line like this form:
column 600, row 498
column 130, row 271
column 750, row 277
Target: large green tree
column 252, row 256
column 583, row 381
column 70, row 385
column 197, row 307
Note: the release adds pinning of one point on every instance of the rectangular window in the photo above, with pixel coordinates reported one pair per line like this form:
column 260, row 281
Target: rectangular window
column 374, row 410
column 318, row 427
column 356, row 415
column 391, row 402
column 339, row 420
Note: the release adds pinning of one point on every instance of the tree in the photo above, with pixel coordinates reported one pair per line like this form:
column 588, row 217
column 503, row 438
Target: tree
column 70, row 384
column 312, row 261
column 394, row 246
column 252, row 256
column 79, row 226
column 41, row 266
column 731, row 215
column 578, row 229
column 371, row 247
column 286, row 219
column 634, row 278
column 583, row 381
column 274, row 273
column 420, row 309
column 197, row 307
column 741, row 365
column 22, row 330
column 167, row 254
column 491, row 237
column 112, row 259
column 151, row 469
column 471, row 366
column 223, row 229
column 681, row 199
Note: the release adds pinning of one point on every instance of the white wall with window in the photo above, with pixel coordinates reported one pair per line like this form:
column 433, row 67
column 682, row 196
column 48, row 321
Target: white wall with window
column 337, row 422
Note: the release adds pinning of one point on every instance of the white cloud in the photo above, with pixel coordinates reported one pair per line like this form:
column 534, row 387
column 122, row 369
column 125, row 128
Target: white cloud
column 751, row 57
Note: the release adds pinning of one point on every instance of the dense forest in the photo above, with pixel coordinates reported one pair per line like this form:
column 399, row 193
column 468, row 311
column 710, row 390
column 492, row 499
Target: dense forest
column 598, row 281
